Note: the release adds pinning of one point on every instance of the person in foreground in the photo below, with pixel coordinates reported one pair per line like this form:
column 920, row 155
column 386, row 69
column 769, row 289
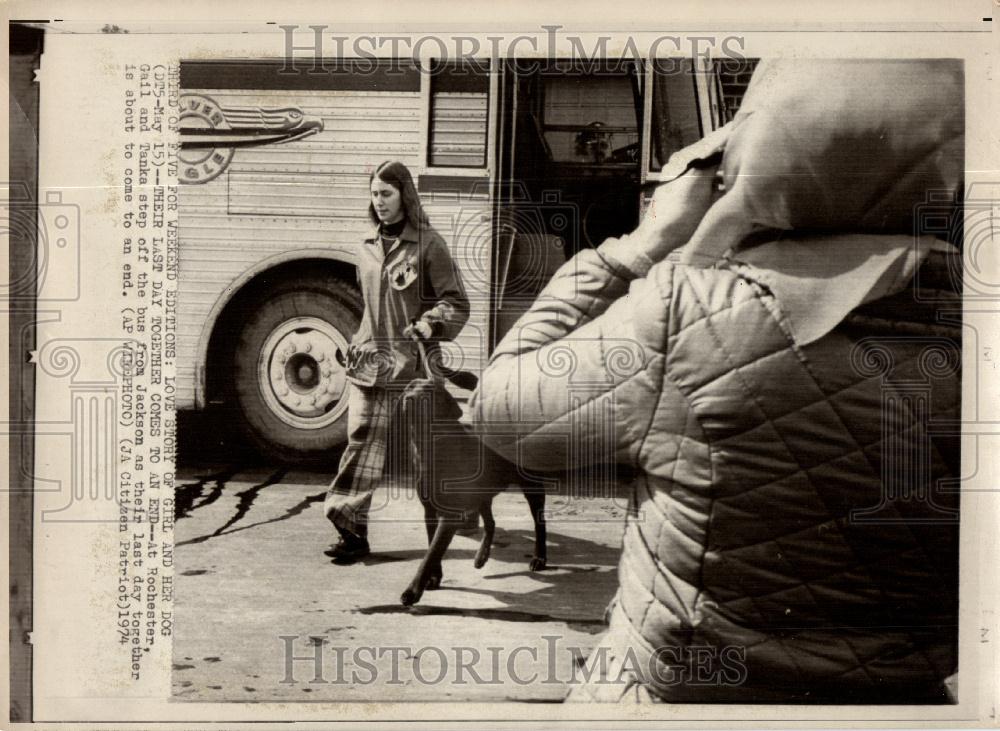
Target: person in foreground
column 410, row 286
column 793, row 536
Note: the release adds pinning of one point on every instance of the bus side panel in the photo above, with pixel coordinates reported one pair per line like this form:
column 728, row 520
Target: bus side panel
column 464, row 221
column 309, row 194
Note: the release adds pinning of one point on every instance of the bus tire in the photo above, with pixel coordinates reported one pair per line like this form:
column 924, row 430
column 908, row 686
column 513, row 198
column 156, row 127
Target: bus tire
column 289, row 388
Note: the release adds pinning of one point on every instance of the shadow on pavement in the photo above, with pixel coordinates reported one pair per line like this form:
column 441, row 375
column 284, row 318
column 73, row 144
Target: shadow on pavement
column 580, row 568
column 593, row 626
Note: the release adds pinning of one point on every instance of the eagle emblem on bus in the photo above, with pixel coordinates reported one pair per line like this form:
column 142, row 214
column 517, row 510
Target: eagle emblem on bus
column 210, row 133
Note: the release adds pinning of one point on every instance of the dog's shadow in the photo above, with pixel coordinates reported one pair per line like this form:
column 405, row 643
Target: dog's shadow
column 575, row 587
column 414, row 555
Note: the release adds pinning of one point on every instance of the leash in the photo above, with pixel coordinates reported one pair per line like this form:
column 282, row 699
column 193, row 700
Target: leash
column 415, row 337
column 462, row 379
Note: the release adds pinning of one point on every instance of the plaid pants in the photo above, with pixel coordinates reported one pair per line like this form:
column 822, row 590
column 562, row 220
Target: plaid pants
column 372, row 447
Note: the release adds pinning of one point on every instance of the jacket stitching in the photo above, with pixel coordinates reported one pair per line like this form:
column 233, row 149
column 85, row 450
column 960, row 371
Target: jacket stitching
column 913, row 642
column 651, row 591
column 737, row 371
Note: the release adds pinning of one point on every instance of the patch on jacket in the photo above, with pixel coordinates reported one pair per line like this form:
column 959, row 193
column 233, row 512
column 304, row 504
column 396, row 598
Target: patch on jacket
column 403, row 273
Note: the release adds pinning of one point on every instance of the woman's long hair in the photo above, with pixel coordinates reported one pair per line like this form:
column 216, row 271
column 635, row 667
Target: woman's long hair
column 398, row 176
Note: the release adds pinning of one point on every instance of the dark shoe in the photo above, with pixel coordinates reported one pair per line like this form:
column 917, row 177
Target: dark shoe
column 350, row 549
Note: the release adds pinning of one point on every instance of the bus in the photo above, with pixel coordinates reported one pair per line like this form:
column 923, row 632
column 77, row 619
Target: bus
column 521, row 163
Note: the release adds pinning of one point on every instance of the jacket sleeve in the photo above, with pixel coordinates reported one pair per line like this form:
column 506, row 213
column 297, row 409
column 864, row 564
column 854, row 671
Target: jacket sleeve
column 450, row 309
column 577, row 379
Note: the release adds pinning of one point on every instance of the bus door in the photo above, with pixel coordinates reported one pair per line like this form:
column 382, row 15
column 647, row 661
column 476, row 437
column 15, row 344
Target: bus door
column 569, row 170
column 581, row 146
column 681, row 105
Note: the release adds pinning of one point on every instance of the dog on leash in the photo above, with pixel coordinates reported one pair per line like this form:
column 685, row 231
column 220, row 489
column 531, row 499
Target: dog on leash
column 457, row 478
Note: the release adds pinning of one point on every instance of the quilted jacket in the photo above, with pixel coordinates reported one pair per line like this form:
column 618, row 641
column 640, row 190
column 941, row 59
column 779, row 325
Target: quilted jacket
column 796, row 505
column 789, row 501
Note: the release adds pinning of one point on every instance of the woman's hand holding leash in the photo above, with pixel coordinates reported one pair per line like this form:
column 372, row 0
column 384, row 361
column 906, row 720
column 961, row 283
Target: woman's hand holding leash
column 418, row 328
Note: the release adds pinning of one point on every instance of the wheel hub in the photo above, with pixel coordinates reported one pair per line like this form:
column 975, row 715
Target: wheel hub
column 302, row 373
column 298, row 373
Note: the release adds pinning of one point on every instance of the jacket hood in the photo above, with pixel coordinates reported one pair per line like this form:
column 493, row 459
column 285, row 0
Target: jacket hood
column 825, row 167
column 832, row 147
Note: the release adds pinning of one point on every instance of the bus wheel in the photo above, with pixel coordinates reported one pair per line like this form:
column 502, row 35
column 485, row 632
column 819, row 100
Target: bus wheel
column 289, row 387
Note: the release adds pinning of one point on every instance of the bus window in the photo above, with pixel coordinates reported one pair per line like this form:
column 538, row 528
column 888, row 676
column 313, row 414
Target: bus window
column 675, row 120
column 590, row 119
column 457, row 134
column 576, row 138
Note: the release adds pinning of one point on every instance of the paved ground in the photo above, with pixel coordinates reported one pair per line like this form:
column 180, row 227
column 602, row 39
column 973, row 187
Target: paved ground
column 250, row 572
